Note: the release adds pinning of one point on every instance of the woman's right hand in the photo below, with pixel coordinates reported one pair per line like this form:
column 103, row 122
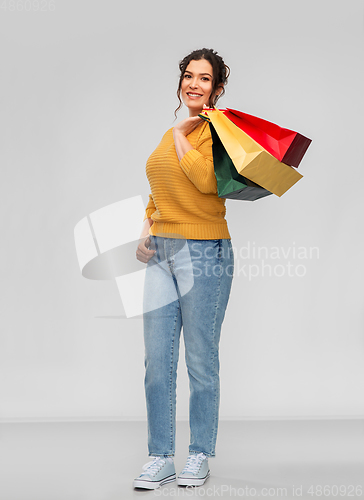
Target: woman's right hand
column 143, row 253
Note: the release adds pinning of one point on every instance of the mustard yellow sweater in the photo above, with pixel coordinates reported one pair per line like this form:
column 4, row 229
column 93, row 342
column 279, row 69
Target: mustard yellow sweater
column 183, row 202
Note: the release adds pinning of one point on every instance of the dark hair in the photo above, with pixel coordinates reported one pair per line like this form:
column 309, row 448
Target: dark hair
column 220, row 72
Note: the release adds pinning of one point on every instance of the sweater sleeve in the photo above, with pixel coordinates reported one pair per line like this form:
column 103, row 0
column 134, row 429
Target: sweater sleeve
column 198, row 164
column 150, row 208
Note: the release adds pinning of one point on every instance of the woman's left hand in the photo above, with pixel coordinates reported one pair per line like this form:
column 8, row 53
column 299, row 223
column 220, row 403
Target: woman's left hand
column 187, row 125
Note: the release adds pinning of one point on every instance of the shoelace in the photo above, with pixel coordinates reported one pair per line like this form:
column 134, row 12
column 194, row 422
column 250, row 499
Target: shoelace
column 153, row 466
column 194, row 462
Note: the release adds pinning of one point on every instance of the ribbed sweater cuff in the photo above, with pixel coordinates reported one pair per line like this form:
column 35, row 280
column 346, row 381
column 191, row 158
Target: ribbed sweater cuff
column 189, row 159
column 148, row 213
column 193, row 165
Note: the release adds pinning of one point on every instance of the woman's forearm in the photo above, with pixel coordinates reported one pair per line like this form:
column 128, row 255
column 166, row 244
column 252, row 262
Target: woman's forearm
column 182, row 144
column 146, row 226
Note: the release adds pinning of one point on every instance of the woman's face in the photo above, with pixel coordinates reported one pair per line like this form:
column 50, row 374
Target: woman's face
column 196, row 85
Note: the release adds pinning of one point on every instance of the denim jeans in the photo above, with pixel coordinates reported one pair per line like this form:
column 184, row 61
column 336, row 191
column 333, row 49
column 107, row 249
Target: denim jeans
column 187, row 284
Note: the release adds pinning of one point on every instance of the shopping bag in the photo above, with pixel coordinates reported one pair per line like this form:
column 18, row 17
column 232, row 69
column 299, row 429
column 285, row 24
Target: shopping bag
column 250, row 159
column 286, row 145
column 230, row 184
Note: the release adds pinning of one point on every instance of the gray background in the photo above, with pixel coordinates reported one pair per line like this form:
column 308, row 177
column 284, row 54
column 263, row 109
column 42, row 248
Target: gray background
column 87, row 91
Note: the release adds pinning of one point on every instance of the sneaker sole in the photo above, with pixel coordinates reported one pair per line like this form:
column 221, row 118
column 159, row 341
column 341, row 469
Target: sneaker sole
column 152, row 485
column 187, row 481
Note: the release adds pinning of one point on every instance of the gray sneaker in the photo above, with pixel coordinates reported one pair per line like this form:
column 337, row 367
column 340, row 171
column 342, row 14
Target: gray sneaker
column 159, row 471
column 196, row 471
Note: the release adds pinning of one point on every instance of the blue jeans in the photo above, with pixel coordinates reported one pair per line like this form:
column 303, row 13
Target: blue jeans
column 187, row 283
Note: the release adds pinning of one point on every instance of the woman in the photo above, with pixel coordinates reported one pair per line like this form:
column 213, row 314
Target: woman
column 186, row 244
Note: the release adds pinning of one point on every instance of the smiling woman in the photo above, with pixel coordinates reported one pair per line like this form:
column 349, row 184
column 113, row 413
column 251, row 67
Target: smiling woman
column 186, row 244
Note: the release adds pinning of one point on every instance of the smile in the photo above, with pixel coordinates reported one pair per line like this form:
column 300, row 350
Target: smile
column 190, row 94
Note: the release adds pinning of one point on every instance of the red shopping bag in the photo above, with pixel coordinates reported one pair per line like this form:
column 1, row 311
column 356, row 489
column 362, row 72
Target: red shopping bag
column 286, row 145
